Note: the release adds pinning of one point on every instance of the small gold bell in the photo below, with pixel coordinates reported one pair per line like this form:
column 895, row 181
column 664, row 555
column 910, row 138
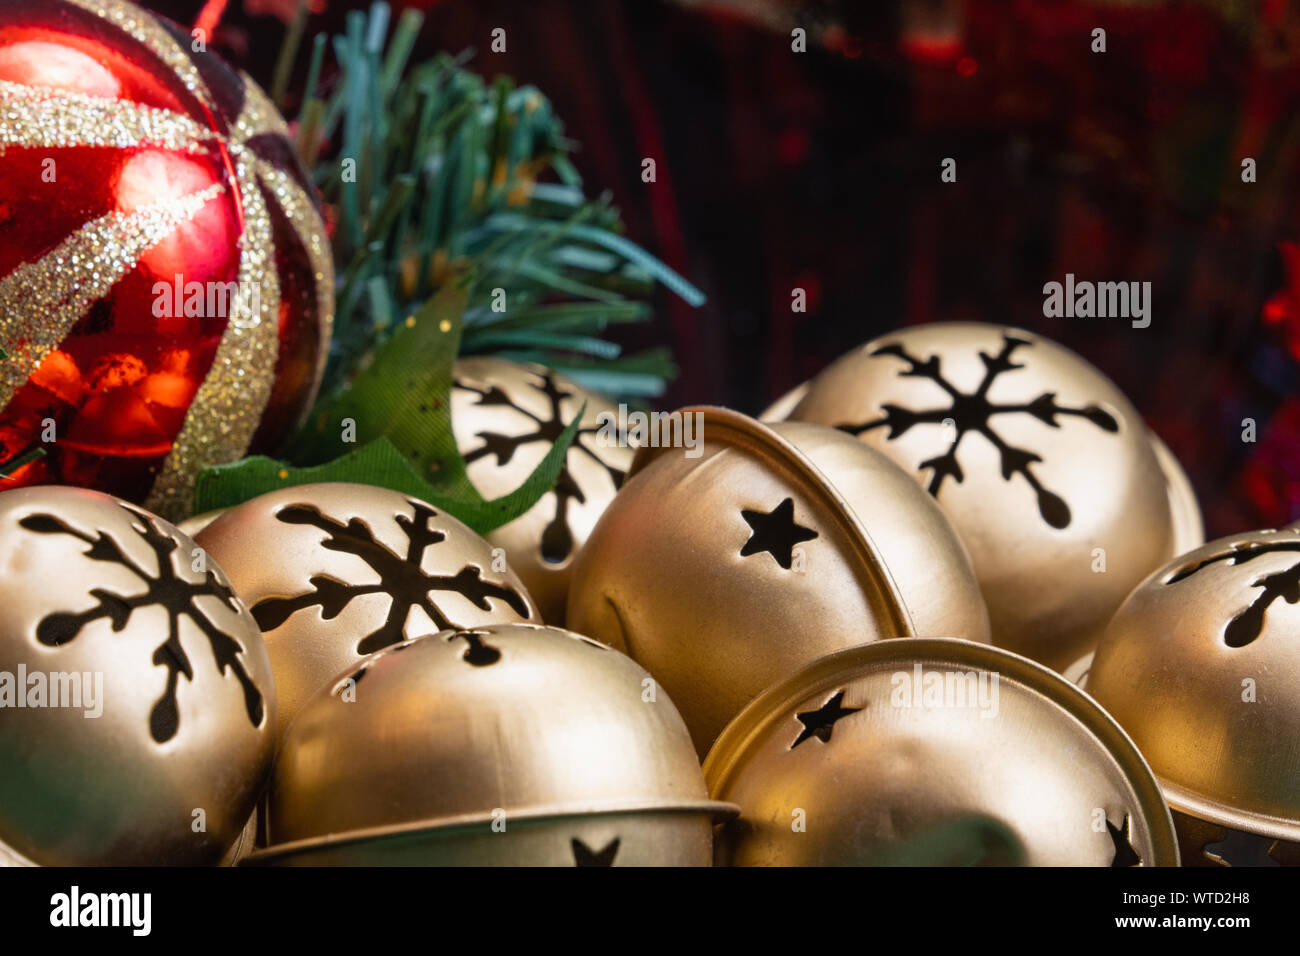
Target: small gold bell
column 862, row 752
column 500, row 745
column 1041, row 464
column 723, row 573
column 506, row 417
column 138, row 707
column 335, row 571
column 1202, row 667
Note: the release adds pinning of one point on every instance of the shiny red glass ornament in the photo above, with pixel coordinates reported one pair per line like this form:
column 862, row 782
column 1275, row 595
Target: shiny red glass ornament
column 166, row 291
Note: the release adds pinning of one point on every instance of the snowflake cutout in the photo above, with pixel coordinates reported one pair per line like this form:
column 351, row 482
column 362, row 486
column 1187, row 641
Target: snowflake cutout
column 557, row 539
column 400, row 577
column 974, row 412
column 1248, row 624
column 168, row 590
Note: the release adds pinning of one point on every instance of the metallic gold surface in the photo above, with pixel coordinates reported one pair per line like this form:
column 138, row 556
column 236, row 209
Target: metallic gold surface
column 192, row 526
column 1042, row 466
column 862, row 750
column 1201, row 666
column 169, row 771
column 506, row 416
column 724, row 573
column 1189, row 533
column 500, row 745
column 333, row 572
column 1189, row 529
column 244, row 844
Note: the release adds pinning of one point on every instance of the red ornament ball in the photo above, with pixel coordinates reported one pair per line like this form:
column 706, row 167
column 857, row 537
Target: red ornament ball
column 166, row 288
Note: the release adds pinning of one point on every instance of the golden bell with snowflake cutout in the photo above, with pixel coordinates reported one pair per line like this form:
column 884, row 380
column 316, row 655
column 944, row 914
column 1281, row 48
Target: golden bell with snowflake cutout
column 506, row 416
column 509, row 744
column 1201, row 665
column 335, row 571
column 726, row 564
column 864, row 755
column 1044, row 468
column 1188, row 527
column 137, row 709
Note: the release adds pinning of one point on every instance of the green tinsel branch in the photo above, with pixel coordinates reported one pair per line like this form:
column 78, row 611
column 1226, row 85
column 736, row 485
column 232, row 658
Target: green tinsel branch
column 433, row 170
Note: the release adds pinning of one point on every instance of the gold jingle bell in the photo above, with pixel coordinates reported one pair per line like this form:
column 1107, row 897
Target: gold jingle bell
column 1043, row 467
column 863, row 753
column 725, row 572
column 333, row 572
column 1189, row 529
column 502, row 745
column 136, row 699
column 1201, row 665
column 505, row 417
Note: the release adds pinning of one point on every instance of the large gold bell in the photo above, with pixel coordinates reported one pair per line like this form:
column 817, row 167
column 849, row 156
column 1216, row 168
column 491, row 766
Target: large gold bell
column 506, row 417
column 333, row 572
column 862, row 756
column 501, row 745
column 1201, row 665
column 137, row 710
column 1043, row 467
column 724, row 573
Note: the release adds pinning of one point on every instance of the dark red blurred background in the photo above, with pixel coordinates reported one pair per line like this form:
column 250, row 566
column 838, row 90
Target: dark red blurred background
column 821, row 170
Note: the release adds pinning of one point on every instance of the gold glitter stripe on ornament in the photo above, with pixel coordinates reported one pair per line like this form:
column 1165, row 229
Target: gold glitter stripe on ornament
column 257, row 114
column 306, row 222
column 41, row 301
column 228, row 406
column 145, row 28
column 37, row 116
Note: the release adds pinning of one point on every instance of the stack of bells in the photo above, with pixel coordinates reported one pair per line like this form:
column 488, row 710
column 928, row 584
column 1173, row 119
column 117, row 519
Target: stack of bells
column 854, row 589
column 860, row 590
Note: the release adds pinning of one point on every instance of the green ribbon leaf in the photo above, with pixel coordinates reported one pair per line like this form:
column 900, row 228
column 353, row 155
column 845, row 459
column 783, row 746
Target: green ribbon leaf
column 380, row 463
column 404, row 395
column 399, row 408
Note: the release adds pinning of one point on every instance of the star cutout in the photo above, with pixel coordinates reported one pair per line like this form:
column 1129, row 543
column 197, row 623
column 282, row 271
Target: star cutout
column 819, row 723
column 583, row 855
column 975, row 412
column 775, row 532
column 1125, row 855
column 1241, row 849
